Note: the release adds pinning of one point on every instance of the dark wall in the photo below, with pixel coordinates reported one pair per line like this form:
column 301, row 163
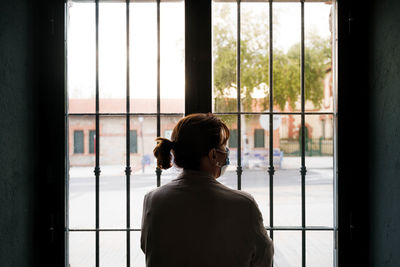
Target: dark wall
column 353, row 151
column 18, row 134
column 31, row 133
column 384, row 168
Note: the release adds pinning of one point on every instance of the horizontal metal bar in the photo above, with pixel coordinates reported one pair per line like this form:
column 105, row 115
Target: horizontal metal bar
column 124, row 1
column 276, row 113
column 125, row 114
column 105, row 230
column 299, row 228
column 266, row 1
column 275, row 228
column 218, row 1
column 215, row 113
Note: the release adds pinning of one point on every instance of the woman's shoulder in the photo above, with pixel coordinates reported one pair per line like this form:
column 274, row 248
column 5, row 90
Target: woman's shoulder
column 238, row 195
column 199, row 183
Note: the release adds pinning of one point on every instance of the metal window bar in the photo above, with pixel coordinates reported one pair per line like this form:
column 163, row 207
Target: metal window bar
column 303, row 169
column 271, row 169
column 217, row 113
column 97, row 167
column 335, row 144
column 128, row 170
column 239, row 144
column 124, row 114
column 276, row 228
column 158, row 170
column 66, row 144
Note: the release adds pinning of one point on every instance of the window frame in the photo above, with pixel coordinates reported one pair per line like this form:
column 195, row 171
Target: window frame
column 54, row 67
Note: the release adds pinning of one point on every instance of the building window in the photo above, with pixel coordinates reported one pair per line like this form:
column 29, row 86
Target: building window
column 133, row 141
column 78, row 142
column 92, row 141
column 233, row 138
column 259, row 138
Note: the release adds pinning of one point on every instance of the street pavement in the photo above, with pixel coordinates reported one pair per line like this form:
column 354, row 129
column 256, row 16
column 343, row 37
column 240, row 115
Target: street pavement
column 287, row 211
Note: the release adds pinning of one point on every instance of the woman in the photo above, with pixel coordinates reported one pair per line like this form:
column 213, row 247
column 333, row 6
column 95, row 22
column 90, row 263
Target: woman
column 194, row 220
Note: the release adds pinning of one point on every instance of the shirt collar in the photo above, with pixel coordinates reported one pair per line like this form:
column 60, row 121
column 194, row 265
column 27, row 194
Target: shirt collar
column 195, row 174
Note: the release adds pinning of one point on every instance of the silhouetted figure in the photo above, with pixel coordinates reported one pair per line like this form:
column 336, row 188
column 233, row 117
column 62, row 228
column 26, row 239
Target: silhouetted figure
column 194, row 220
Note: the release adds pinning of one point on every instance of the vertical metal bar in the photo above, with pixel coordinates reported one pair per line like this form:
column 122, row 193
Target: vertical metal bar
column 158, row 170
column 303, row 169
column 66, row 132
column 271, row 169
column 97, row 167
column 239, row 169
column 128, row 142
column 335, row 147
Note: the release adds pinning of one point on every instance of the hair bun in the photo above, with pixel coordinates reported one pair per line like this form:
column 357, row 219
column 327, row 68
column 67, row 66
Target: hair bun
column 162, row 152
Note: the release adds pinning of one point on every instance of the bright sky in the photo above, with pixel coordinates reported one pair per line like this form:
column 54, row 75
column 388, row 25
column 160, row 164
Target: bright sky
column 143, row 58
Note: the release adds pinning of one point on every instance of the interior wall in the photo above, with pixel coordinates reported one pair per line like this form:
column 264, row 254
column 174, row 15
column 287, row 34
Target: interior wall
column 353, row 151
column 32, row 162
column 18, row 134
column 384, row 168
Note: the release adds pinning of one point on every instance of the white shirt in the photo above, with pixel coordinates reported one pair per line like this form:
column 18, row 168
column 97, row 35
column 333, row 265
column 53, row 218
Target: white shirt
column 196, row 221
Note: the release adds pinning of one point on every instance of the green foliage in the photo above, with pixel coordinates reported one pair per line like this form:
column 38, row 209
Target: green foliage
column 255, row 65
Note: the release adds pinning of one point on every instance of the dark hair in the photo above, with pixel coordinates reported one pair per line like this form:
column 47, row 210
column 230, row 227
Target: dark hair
column 192, row 138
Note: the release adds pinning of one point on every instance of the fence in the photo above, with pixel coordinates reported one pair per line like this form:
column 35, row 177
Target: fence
column 314, row 147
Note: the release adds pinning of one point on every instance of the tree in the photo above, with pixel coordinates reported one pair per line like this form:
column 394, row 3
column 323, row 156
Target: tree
column 255, row 65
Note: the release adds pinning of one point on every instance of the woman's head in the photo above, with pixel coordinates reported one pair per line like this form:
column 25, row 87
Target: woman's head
column 192, row 138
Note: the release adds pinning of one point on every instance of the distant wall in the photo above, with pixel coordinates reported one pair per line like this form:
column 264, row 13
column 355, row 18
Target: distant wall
column 384, row 168
column 18, row 138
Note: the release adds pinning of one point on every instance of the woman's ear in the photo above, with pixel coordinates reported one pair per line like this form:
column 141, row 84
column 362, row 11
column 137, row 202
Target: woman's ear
column 212, row 155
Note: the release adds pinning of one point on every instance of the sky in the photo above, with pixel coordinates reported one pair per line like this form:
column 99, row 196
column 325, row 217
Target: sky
column 143, row 43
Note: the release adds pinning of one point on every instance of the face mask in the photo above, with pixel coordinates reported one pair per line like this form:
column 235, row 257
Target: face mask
column 225, row 166
column 223, row 169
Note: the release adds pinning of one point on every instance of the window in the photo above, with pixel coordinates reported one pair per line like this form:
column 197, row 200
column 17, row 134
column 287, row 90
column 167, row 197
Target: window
column 78, row 142
column 270, row 77
column 233, row 138
column 259, row 138
column 92, row 141
column 133, row 140
column 273, row 75
column 126, row 84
